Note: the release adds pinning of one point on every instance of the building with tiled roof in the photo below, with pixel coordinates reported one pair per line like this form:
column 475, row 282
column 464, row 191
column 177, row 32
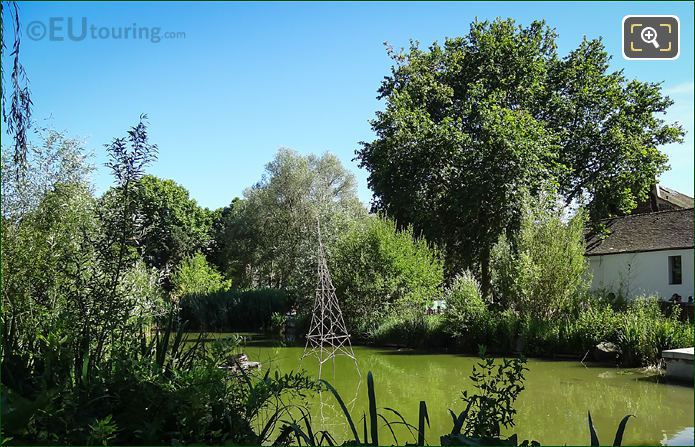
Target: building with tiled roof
column 645, row 254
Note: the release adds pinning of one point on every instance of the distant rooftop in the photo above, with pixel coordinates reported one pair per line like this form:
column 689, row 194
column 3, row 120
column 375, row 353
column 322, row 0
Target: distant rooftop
column 675, row 197
column 661, row 198
column 662, row 230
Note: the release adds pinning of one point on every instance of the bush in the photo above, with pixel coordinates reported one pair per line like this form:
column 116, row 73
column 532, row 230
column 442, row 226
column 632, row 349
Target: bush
column 596, row 323
column 543, row 271
column 504, row 328
column 643, row 332
column 465, row 306
column 541, row 337
column 194, row 276
column 377, row 268
column 231, row 311
column 415, row 330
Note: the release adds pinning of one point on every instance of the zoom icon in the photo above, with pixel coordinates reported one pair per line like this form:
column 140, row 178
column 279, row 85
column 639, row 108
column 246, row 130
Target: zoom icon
column 651, row 37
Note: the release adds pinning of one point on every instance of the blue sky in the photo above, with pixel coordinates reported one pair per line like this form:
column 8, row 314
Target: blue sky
column 249, row 78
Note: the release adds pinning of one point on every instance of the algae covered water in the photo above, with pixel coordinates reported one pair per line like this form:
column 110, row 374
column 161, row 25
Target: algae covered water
column 552, row 409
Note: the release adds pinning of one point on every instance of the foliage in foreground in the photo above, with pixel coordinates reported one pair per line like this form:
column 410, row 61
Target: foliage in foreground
column 176, row 390
column 618, row 434
column 91, row 351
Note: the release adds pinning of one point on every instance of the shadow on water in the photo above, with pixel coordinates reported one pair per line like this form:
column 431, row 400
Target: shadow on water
column 662, row 380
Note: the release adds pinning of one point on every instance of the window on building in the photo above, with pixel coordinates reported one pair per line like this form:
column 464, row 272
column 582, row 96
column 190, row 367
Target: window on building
column 674, row 270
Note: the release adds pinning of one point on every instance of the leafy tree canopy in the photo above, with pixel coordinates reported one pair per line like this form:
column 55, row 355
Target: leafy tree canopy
column 272, row 231
column 172, row 226
column 472, row 125
column 234, row 241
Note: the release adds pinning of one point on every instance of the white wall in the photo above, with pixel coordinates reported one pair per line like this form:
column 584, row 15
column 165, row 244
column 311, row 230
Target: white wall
column 642, row 273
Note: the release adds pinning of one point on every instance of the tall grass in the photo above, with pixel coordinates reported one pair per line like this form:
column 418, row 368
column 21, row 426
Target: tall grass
column 641, row 330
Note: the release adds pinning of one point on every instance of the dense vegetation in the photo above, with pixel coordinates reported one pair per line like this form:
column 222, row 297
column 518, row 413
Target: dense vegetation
column 92, row 349
column 541, row 306
column 380, row 271
column 234, row 310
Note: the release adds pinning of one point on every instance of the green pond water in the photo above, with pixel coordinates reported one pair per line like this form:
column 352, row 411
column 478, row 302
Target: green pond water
column 552, row 409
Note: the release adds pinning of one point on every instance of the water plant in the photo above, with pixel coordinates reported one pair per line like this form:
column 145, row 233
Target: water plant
column 618, row 434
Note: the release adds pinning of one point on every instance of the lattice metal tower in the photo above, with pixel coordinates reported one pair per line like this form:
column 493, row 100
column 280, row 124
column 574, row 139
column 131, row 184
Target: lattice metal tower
column 327, row 335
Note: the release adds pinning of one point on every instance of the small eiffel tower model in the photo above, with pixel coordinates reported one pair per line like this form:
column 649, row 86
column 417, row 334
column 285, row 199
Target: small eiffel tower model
column 327, row 335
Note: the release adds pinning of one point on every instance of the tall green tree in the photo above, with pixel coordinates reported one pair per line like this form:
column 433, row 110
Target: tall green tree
column 276, row 224
column 609, row 130
column 171, row 225
column 472, row 125
column 234, row 242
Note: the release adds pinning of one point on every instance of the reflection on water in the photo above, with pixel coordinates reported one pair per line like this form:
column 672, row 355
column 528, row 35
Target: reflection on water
column 552, row 409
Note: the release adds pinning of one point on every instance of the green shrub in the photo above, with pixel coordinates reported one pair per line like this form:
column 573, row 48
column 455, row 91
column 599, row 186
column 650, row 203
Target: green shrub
column 194, row 276
column 504, row 328
column 466, row 311
column 230, row 311
column 542, row 272
column 376, row 269
column 593, row 325
column 643, row 332
column 541, row 337
column 414, row 330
